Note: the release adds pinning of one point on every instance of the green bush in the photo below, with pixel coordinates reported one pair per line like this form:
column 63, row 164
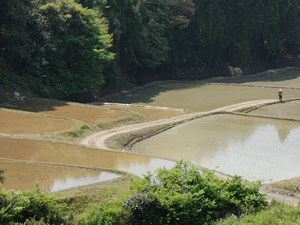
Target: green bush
column 18, row 207
column 182, row 195
column 104, row 213
column 32, row 221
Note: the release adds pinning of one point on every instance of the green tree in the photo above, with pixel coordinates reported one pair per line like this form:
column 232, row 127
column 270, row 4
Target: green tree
column 182, row 195
column 19, row 43
column 290, row 25
column 76, row 49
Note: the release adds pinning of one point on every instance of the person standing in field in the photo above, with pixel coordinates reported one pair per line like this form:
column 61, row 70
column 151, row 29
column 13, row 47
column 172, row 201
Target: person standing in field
column 280, row 93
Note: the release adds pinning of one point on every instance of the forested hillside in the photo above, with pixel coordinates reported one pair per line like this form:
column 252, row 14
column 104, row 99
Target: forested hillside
column 68, row 49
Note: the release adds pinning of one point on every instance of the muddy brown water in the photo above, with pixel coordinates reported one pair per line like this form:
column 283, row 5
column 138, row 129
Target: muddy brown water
column 281, row 110
column 75, row 155
column 89, row 115
column 21, row 176
column 150, row 113
column 19, row 123
column 198, row 97
column 253, row 148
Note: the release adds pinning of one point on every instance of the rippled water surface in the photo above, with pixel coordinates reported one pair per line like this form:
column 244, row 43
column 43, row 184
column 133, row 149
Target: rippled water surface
column 254, row 148
column 21, row 176
column 74, row 155
column 90, row 115
column 289, row 110
column 198, row 97
column 19, row 123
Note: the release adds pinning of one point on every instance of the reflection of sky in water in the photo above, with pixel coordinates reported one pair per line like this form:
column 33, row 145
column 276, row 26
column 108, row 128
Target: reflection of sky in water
column 250, row 147
column 261, row 156
column 69, row 182
column 142, row 168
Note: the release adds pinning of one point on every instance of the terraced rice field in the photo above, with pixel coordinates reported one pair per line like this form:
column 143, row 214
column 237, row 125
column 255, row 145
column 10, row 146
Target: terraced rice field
column 290, row 110
column 150, row 113
column 47, row 152
column 288, row 78
column 50, row 178
column 249, row 145
column 88, row 114
column 20, row 123
column 199, row 97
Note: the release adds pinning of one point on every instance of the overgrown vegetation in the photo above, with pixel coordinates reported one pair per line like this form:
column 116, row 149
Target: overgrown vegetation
column 64, row 48
column 19, row 207
column 289, row 187
column 78, row 130
column 80, row 197
column 181, row 195
column 130, row 118
column 276, row 213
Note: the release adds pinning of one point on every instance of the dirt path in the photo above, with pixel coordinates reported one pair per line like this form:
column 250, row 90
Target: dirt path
column 97, row 140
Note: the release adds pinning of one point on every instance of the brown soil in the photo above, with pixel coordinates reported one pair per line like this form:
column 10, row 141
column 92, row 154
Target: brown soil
column 86, row 113
column 15, row 122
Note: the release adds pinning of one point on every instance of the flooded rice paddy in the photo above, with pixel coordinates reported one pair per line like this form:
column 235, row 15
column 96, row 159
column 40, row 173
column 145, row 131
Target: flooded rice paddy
column 88, row 114
column 289, row 110
column 290, row 78
column 20, row 123
column 47, row 152
column 199, row 97
column 21, row 176
column 254, row 148
column 150, row 113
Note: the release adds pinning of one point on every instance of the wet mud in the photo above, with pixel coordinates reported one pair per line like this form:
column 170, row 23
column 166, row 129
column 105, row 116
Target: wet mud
column 21, row 123
column 254, row 148
column 87, row 114
column 200, row 97
column 74, row 155
column 21, row 176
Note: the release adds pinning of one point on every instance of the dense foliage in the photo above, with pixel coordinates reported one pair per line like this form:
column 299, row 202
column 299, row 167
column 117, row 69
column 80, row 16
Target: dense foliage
column 181, row 195
column 64, row 48
column 31, row 207
column 59, row 49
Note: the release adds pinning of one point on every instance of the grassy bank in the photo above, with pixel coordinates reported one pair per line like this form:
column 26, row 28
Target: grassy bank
column 275, row 213
column 125, row 141
column 130, row 118
column 78, row 198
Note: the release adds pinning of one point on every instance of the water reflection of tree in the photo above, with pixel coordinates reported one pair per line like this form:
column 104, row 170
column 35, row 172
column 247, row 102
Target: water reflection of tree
column 284, row 130
column 204, row 139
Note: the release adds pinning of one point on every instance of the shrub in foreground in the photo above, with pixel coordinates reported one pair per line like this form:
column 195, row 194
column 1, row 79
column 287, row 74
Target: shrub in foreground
column 110, row 213
column 181, row 195
column 31, row 207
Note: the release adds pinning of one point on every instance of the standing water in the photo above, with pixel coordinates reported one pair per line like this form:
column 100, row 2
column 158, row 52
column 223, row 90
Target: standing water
column 23, row 176
column 254, row 148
